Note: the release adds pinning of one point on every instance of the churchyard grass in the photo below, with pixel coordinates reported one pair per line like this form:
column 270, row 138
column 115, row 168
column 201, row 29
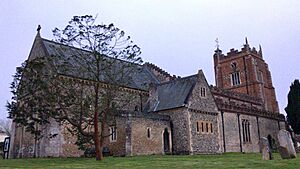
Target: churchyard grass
column 227, row 160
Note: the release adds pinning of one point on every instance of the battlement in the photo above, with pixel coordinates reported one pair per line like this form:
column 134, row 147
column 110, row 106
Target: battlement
column 245, row 71
column 161, row 74
column 245, row 50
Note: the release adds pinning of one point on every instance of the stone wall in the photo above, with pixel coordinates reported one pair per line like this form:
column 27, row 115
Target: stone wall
column 269, row 127
column 68, row 146
column 259, row 127
column 181, row 130
column 232, row 140
column 117, row 147
column 203, row 108
column 53, row 146
column 204, row 103
column 141, row 144
column 204, row 142
column 253, row 144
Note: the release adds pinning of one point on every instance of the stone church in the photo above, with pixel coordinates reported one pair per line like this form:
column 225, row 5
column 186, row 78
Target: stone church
column 178, row 115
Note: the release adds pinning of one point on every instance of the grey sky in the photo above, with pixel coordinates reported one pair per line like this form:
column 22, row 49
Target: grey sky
column 177, row 35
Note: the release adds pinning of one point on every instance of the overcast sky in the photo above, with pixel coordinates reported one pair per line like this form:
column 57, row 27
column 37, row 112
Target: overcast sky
column 177, row 35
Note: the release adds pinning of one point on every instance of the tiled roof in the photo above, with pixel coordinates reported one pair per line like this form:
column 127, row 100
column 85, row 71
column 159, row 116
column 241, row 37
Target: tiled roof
column 174, row 93
column 67, row 62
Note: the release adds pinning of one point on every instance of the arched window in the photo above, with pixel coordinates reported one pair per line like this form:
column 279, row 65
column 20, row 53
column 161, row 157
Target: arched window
column 235, row 75
column 233, row 66
column 113, row 133
column 243, row 127
column 246, row 131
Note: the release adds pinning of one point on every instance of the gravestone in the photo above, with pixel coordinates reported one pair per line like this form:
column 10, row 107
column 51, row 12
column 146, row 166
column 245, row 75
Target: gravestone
column 286, row 146
column 265, row 149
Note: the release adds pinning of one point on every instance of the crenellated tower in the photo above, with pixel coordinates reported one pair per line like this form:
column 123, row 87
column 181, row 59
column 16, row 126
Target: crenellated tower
column 245, row 71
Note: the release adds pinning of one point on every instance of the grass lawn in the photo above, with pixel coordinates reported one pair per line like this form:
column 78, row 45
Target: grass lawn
column 228, row 160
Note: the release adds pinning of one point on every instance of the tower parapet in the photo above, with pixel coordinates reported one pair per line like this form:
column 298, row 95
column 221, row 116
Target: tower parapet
column 246, row 50
column 245, row 71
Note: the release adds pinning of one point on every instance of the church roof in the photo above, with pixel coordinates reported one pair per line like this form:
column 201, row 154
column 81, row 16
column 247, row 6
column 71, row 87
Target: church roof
column 174, row 93
column 68, row 63
column 144, row 115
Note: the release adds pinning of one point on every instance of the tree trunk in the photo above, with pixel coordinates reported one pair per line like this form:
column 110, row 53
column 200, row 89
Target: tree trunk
column 103, row 123
column 96, row 126
column 35, row 146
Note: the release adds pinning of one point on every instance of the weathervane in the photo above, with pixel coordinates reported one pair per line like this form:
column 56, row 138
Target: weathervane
column 217, row 43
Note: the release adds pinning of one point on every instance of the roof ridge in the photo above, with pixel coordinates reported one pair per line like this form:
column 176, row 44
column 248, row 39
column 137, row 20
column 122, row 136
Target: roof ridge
column 52, row 41
column 178, row 79
column 85, row 50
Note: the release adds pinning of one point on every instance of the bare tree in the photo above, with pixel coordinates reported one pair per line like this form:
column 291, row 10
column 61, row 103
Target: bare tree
column 79, row 84
column 103, row 48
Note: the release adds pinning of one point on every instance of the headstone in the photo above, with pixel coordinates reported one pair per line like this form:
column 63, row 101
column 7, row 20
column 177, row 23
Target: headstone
column 286, row 146
column 265, row 149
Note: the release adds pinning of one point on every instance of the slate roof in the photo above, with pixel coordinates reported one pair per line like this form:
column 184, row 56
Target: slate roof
column 137, row 76
column 145, row 115
column 174, row 93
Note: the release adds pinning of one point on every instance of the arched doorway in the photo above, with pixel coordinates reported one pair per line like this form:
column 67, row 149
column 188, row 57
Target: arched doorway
column 166, row 141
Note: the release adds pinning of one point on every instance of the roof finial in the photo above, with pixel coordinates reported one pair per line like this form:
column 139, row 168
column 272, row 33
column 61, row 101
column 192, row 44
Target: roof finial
column 260, row 50
column 246, row 41
column 260, row 47
column 39, row 28
column 217, row 43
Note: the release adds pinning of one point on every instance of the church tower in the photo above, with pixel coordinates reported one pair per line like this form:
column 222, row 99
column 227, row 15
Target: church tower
column 246, row 72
